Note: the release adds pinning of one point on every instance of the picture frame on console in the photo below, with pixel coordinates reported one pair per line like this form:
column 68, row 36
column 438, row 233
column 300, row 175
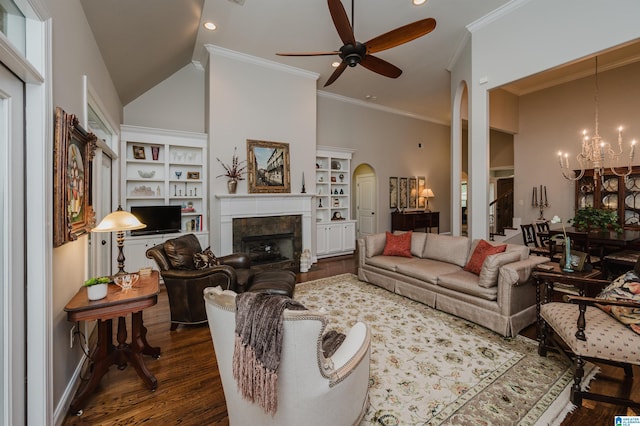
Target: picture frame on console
column 393, row 192
column 268, row 167
column 73, row 153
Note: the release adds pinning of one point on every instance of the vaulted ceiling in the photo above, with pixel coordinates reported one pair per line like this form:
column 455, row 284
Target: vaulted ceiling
column 144, row 42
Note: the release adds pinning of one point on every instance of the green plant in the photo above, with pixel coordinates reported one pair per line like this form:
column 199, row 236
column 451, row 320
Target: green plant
column 590, row 218
column 99, row 280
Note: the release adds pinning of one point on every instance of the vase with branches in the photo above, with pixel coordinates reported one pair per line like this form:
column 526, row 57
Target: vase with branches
column 234, row 171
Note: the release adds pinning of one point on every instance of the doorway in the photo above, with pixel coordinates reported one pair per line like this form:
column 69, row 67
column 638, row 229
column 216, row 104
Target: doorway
column 366, row 200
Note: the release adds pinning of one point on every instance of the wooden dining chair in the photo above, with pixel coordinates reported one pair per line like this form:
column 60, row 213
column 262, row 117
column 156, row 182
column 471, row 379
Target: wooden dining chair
column 543, row 233
column 530, row 239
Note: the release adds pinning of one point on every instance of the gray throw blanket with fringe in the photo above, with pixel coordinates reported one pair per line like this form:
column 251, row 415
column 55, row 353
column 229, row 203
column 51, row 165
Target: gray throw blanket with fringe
column 258, row 346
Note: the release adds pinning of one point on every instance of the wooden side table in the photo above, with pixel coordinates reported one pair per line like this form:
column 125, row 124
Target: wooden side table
column 117, row 304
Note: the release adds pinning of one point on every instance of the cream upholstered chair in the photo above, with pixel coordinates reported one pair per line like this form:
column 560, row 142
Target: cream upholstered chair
column 312, row 389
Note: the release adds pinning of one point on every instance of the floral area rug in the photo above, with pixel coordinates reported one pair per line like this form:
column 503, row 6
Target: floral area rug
column 432, row 368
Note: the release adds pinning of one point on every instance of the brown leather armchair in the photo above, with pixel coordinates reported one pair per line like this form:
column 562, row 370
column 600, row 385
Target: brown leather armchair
column 185, row 284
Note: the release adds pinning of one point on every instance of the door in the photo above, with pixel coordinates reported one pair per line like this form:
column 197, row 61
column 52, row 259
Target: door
column 366, row 204
column 12, row 250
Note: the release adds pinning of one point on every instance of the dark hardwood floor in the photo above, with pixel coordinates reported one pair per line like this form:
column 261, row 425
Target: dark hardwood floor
column 190, row 392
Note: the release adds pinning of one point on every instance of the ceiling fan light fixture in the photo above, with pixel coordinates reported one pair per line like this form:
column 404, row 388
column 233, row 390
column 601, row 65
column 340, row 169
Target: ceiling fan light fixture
column 209, row 25
column 335, row 64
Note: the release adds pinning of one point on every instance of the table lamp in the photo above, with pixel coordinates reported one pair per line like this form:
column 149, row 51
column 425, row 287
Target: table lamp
column 119, row 221
column 426, row 193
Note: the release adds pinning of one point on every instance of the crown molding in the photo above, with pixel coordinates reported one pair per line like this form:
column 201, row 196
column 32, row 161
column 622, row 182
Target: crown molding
column 254, row 60
column 370, row 105
column 496, row 14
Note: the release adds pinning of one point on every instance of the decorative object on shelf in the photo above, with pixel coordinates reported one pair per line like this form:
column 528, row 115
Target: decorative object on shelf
column 592, row 219
column 542, row 202
column 341, row 191
column 304, row 190
column 320, row 203
column 73, row 152
column 143, row 190
column 193, row 175
column 337, row 216
column 155, row 152
column 335, row 191
column 335, row 165
column 234, row 171
column 336, row 202
column 138, row 152
column 97, row 288
column 118, row 222
column 426, row 194
column 268, row 167
column 158, row 193
column 333, row 179
column 594, row 149
column 393, row 193
column 178, row 174
column 147, row 174
column 341, row 176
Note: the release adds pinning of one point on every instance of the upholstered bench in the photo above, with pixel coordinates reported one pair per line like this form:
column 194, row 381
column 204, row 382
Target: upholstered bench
column 274, row 282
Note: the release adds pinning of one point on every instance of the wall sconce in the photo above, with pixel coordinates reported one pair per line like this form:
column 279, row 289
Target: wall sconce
column 119, row 221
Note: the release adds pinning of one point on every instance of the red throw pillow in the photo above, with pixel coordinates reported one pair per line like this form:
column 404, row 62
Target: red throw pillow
column 398, row 245
column 483, row 249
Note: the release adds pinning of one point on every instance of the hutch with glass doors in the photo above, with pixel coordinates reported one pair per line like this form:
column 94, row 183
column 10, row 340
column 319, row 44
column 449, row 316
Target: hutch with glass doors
column 335, row 230
column 164, row 168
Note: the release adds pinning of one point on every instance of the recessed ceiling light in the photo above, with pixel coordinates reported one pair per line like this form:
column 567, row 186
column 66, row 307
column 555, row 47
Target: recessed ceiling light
column 419, row 2
column 335, row 64
column 371, row 97
column 210, row 26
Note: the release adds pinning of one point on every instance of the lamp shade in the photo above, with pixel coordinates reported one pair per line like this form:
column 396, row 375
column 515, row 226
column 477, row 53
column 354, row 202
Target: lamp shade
column 427, row 192
column 119, row 220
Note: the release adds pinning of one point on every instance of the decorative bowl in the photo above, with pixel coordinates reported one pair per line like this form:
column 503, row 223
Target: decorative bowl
column 147, row 174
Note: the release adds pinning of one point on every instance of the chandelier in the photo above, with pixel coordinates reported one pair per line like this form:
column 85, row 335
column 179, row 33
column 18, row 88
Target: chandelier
column 594, row 150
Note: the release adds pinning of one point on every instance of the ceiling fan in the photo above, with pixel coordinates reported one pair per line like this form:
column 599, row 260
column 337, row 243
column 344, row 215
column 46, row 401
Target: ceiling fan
column 353, row 52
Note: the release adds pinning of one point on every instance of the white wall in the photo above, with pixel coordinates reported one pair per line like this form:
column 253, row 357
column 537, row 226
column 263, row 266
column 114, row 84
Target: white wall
column 176, row 104
column 388, row 142
column 552, row 120
column 75, row 53
column 248, row 98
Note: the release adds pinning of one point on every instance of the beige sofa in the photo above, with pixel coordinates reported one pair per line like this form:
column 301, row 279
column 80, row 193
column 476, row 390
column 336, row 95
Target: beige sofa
column 501, row 297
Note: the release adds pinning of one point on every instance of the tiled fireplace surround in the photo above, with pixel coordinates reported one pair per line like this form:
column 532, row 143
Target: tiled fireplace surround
column 241, row 206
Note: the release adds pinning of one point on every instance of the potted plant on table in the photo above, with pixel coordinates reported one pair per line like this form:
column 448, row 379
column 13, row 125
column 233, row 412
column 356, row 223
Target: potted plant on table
column 592, row 219
column 234, row 171
column 97, row 287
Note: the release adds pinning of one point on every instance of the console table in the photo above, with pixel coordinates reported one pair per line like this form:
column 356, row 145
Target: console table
column 117, row 304
column 410, row 221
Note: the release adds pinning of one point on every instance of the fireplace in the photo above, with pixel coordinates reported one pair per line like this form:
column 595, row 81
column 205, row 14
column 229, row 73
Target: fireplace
column 272, row 242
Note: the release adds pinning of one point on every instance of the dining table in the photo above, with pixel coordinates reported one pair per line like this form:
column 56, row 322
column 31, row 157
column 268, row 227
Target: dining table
column 598, row 238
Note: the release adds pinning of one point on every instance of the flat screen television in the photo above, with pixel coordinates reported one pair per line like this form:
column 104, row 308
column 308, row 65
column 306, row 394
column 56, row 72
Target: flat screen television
column 159, row 219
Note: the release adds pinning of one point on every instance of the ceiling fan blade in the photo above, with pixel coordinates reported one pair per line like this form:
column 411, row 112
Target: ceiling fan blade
column 309, row 53
column 341, row 22
column 401, row 35
column 336, row 73
column 380, row 66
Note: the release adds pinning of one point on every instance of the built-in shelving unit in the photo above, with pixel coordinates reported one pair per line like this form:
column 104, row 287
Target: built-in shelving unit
column 335, row 228
column 164, row 167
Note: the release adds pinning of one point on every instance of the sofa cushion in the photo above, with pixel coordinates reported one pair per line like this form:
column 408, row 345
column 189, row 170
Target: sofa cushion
column 482, row 250
column 447, row 249
column 426, row 269
column 374, row 244
column 523, row 250
column 491, row 267
column 180, row 251
column 418, row 240
column 467, row 282
column 389, row 263
column 397, row 245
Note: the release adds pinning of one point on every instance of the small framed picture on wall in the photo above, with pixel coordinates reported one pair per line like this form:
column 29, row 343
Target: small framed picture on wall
column 404, row 188
column 393, row 192
column 413, row 192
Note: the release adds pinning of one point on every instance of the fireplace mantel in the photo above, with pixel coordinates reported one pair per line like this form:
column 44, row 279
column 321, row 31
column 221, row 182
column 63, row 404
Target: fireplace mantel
column 230, row 206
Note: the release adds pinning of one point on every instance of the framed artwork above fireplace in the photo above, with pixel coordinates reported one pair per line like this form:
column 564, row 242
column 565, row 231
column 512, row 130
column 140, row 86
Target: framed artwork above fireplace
column 268, row 167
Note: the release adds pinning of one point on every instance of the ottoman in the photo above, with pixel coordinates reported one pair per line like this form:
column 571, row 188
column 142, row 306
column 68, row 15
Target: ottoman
column 274, row 282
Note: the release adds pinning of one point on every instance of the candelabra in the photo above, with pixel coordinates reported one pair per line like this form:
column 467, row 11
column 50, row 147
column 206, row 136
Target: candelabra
column 594, row 149
column 542, row 202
